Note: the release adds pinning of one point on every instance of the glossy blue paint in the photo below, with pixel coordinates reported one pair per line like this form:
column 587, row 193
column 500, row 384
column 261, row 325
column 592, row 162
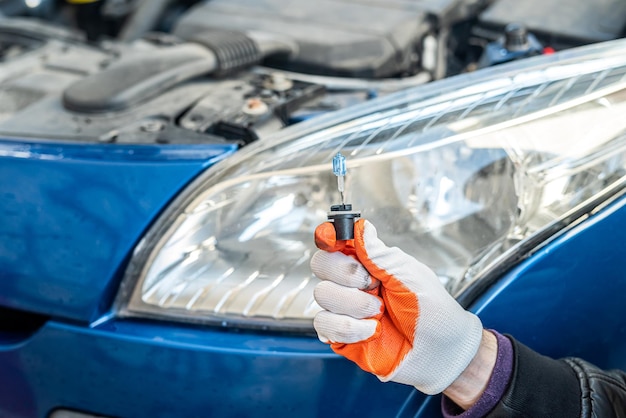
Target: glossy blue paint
column 70, row 215
column 135, row 369
column 568, row 298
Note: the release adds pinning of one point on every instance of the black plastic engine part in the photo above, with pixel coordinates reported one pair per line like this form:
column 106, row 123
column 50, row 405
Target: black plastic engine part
column 234, row 131
column 516, row 37
column 295, row 98
column 233, row 50
column 516, row 43
column 561, row 22
column 358, row 38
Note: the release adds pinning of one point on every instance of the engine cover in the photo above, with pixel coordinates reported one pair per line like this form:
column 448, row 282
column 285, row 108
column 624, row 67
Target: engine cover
column 357, row 38
column 54, row 85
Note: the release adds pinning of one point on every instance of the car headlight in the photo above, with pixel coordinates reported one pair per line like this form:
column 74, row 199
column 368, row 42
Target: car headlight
column 458, row 173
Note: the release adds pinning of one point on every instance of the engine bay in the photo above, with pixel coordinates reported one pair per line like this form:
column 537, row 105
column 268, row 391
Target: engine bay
column 219, row 71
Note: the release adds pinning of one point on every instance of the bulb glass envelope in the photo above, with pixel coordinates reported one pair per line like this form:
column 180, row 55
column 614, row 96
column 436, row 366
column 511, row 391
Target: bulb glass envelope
column 458, row 173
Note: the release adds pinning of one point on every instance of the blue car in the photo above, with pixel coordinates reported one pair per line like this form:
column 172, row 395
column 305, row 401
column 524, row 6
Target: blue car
column 163, row 168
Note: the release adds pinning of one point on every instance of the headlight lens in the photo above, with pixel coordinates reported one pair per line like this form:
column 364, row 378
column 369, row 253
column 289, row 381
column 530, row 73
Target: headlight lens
column 456, row 173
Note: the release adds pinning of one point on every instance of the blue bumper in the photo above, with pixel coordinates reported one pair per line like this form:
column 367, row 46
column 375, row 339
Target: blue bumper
column 133, row 369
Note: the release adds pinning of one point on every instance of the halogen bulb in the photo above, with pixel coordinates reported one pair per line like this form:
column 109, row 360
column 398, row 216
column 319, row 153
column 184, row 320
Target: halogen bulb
column 339, row 169
column 342, row 215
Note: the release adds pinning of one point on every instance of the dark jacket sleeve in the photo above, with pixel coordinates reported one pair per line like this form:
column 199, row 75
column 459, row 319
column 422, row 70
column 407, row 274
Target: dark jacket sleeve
column 544, row 387
column 603, row 392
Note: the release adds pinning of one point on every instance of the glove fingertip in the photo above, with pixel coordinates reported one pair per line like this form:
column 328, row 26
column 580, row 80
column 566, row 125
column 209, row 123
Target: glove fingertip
column 379, row 329
column 326, row 239
column 319, row 329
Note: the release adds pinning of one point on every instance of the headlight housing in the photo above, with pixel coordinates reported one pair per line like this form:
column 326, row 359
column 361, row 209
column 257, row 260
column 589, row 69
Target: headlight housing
column 459, row 173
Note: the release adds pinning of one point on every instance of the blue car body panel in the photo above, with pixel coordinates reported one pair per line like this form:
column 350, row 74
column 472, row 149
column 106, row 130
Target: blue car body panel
column 564, row 300
column 72, row 213
column 138, row 369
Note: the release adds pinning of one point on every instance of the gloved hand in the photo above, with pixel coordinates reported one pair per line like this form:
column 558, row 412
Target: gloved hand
column 389, row 313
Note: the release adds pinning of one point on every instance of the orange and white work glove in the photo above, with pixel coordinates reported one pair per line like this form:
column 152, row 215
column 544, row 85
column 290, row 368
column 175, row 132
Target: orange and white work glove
column 389, row 313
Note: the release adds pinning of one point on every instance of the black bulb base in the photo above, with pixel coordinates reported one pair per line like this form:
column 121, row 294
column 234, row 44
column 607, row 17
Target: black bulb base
column 343, row 217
